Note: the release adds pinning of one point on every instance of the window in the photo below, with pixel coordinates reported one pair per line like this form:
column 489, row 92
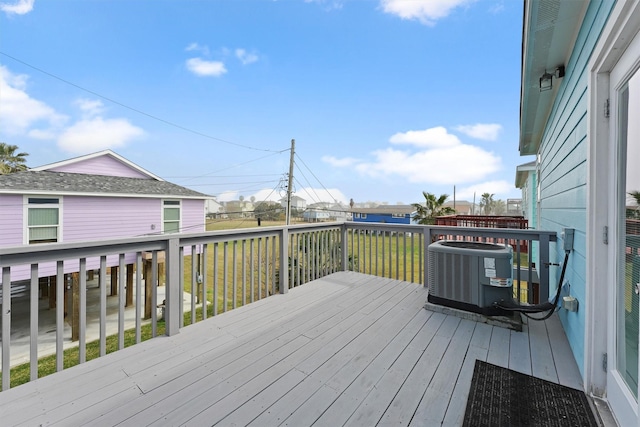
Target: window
column 43, row 220
column 363, row 216
column 171, row 216
column 397, row 215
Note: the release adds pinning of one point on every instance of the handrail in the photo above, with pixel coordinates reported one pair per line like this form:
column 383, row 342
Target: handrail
column 220, row 269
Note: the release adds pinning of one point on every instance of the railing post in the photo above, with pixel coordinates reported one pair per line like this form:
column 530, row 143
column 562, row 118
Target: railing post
column 544, row 267
column 344, row 246
column 172, row 292
column 427, row 232
column 6, row 327
column 284, row 260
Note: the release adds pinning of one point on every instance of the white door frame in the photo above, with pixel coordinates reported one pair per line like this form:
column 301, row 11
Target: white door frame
column 602, row 181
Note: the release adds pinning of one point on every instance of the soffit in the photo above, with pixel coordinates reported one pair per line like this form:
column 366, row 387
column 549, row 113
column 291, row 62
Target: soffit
column 550, row 28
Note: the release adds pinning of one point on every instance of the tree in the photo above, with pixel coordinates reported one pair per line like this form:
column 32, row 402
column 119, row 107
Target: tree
column 634, row 213
column 433, row 207
column 10, row 161
column 486, row 203
column 268, row 211
column 499, row 207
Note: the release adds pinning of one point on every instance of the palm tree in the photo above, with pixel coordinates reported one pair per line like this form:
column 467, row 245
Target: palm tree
column 486, row 203
column 433, row 207
column 634, row 213
column 499, row 207
column 10, row 161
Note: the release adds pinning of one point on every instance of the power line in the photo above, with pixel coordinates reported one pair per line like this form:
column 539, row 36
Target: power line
column 319, row 182
column 239, row 164
column 151, row 116
column 317, row 198
column 233, row 183
column 223, row 176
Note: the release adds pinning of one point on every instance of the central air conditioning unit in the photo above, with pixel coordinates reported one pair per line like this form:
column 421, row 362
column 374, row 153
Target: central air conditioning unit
column 471, row 276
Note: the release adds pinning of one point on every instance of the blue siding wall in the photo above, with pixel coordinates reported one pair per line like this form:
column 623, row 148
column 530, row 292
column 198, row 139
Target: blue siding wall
column 563, row 172
column 387, row 218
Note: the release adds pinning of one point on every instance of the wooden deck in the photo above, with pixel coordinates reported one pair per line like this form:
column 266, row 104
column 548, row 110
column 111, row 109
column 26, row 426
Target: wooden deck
column 348, row 349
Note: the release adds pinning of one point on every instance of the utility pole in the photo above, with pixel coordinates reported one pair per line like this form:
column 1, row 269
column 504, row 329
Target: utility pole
column 290, row 184
column 454, row 198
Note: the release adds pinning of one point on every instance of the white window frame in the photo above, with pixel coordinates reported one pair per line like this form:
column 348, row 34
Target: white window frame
column 602, row 179
column 172, row 203
column 29, row 205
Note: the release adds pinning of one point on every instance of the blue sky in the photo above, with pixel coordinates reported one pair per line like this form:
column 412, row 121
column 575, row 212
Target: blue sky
column 384, row 98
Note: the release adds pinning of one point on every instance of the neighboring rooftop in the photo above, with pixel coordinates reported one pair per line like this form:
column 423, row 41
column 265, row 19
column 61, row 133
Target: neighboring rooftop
column 387, row 209
column 45, row 182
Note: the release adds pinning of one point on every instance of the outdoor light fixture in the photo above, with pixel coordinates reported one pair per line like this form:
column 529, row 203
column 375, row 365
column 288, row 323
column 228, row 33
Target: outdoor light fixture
column 546, row 82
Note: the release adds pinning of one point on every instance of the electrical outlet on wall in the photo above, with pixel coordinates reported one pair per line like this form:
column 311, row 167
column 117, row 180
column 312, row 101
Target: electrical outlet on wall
column 569, row 303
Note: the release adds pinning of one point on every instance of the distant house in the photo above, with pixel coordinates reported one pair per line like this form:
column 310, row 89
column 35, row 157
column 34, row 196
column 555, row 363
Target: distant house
column 462, row 207
column 316, row 215
column 213, row 209
column 326, row 211
column 339, row 212
column 527, row 182
column 239, row 209
column 390, row 214
column 297, row 203
column 97, row 196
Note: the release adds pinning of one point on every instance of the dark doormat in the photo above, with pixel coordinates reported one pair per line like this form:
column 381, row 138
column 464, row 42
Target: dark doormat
column 502, row 397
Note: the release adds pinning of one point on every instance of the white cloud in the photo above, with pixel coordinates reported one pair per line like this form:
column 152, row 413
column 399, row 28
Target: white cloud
column 246, row 57
column 497, row 8
column 310, row 194
column 328, row 5
column 344, row 162
column 19, row 112
column 20, row 7
column 428, row 12
column 501, row 189
column 459, row 164
column 315, row 195
column 90, row 107
column 43, row 134
column 433, row 137
column 97, row 133
column 436, row 157
column 487, row 132
column 227, row 196
column 198, row 47
column 203, row 67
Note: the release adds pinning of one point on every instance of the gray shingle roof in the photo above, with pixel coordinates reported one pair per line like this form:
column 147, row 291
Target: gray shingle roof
column 63, row 182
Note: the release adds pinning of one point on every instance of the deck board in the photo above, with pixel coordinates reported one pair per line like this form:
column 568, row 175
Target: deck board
column 520, row 351
column 542, row 365
column 348, row 349
column 433, row 406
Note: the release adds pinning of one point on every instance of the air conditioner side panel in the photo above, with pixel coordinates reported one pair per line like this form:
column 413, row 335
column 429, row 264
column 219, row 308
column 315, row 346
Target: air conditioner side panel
column 453, row 276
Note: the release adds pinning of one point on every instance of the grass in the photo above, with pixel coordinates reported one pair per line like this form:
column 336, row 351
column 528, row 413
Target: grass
column 47, row 365
column 232, row 224
column 394, row 251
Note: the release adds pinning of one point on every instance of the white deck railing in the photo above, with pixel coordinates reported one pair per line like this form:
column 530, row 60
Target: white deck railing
column 205, row 274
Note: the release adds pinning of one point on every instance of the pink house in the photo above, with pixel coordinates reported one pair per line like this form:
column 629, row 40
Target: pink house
column 92, row 197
